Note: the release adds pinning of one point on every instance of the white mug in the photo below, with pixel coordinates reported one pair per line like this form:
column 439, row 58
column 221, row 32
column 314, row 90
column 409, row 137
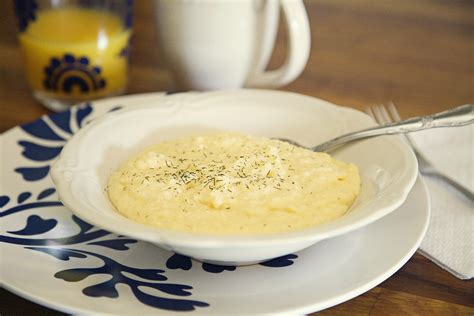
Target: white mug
column 226, row 44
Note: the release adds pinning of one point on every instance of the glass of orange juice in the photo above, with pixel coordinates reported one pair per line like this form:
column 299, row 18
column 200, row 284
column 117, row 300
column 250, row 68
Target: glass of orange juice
column 75, row 50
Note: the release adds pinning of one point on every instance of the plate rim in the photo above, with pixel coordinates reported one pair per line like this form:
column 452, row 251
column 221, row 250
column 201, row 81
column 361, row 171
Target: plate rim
column 301, row 309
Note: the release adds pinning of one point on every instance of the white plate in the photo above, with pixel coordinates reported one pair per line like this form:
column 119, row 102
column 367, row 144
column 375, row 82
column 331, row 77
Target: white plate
column 43, row 246
column 387, row 165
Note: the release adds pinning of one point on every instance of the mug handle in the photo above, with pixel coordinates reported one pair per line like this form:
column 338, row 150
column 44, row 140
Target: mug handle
column 299, row 42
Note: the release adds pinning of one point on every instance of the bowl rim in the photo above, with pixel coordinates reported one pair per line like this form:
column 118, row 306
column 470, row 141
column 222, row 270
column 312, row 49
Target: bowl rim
column 195, row 240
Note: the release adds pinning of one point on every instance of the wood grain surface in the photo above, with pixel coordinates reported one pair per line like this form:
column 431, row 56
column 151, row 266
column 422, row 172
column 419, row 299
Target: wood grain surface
column 416, row 53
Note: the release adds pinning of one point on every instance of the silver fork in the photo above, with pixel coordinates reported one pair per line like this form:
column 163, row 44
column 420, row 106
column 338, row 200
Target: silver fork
column 459, row 116
column 389, row 114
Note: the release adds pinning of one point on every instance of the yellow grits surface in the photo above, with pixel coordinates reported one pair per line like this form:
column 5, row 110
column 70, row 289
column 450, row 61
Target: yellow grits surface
column 231, row 183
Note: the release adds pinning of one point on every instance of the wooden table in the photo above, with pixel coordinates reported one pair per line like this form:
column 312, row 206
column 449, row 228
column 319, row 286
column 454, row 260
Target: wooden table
column 419, row 54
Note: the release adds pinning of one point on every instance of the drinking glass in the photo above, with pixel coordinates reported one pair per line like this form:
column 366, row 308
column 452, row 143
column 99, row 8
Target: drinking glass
column 74, row 50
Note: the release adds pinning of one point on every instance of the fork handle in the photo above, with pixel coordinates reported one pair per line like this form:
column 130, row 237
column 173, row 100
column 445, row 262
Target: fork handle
column 462, row 115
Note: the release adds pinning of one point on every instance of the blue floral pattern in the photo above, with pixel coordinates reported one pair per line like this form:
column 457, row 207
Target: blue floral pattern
column 128, row 14
column 66, row 73
column 89, row 235
column 25, row 11
column 154, row 279
column 38, row 230
column 55, row 129
column 126, row 50
column 181, row 262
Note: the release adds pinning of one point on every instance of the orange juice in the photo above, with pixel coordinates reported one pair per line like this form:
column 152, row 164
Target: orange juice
column 76, row 54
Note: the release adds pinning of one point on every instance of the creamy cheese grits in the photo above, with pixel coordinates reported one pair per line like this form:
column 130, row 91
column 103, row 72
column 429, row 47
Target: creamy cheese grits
column 230, row 183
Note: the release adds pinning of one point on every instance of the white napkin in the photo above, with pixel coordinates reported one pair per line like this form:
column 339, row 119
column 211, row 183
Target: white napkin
column 449, row 241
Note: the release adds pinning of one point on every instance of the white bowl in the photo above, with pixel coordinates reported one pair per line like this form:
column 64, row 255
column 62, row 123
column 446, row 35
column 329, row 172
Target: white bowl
column 387, row 165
